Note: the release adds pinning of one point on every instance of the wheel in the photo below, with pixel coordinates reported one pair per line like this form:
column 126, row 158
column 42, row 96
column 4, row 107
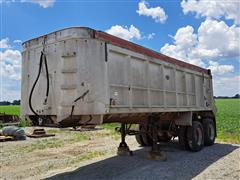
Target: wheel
column 182, row 137
column 143, row 139
column 147, row 140
column 195, row 136
column 139, row 138
column 209, row 131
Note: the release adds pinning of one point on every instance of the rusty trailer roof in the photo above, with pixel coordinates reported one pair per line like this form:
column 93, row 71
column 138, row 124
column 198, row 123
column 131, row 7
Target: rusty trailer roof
column 143, row 50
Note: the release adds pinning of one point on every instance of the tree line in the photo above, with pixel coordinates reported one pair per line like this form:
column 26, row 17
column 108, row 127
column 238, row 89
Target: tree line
column 7, row 103
column 237, row 96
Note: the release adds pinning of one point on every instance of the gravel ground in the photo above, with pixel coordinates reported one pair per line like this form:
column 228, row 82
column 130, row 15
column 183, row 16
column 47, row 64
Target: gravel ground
column 95, row 158
column 220, row 161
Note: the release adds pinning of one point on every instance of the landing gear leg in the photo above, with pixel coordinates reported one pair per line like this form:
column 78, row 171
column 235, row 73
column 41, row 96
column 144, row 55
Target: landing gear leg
column 123, row 148
column 155, row 152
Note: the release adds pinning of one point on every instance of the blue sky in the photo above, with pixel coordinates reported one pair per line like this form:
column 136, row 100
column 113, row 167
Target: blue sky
column 182, row 29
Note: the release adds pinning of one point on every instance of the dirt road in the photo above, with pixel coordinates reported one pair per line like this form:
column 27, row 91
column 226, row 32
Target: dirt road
column 91, row 155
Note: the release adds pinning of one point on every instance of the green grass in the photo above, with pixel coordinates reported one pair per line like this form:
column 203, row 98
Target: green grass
column 87, row 156
column 112, row 127
column 81, row 137
column 24, row 123
column 53, row 143
column 228, row 120
column 13, row 110
column 42, row 144
column 53, row 131
column 91, row 155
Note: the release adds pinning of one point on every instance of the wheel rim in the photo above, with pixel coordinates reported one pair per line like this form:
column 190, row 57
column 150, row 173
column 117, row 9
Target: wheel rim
column 211, row 131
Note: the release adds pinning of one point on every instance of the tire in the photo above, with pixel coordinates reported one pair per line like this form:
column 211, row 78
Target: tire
column 182, row 138
column 209, row 131
column 143, row 139
column 195, row 136
column 147, row 140
column 139, row 137
column 139, row 140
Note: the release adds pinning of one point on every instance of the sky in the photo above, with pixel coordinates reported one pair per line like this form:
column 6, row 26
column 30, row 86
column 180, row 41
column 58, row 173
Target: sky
column 204, row 33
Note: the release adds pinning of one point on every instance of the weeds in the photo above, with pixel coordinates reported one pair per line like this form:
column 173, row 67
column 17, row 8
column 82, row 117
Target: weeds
column 112, row 127
column 1, row 124
column 80, row 137
column 87, row 156
column 91, row 155
column 53, row 131
column 42, row 144
column 24, row 123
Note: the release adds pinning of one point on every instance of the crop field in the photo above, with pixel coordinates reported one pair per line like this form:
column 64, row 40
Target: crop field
column 14, row 110
column 228, row 119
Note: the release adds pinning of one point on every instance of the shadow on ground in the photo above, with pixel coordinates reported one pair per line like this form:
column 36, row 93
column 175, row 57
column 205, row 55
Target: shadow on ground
column 180, row 164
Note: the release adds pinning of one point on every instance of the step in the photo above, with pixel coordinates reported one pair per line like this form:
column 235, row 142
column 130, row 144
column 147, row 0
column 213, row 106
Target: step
column 68, row 86
column 67, row 70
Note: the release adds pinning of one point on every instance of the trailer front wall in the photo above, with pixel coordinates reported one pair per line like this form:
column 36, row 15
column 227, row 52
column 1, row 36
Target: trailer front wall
column 76, row 64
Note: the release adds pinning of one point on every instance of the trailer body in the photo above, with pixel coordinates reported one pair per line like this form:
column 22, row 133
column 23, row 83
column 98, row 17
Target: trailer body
column 97, row 78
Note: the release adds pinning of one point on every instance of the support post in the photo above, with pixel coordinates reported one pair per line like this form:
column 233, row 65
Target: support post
column 123, row 148
column 155, row 152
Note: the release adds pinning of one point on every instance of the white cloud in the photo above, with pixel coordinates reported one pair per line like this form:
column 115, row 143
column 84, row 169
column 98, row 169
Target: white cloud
column 150, row 36
column 42, row 3
column 11, row 64
column 186, row 37
column 221, row 39
column 218, row 69
column 185, row 41
column 213, row 40
column 10, row 90
column 214, row 9
column 6, row 1
column 17, row 41
column 226, row 86
column 4, row 43
column 10, row 73
column 125, row 32
column 157, row 13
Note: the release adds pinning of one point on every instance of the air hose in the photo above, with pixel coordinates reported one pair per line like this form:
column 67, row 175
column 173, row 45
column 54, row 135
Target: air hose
column 80, row 97
column 46, row 67
column 42, row 59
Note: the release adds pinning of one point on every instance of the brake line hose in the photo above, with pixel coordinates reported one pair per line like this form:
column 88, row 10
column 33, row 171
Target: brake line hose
column 46, row 67
column 42, row 59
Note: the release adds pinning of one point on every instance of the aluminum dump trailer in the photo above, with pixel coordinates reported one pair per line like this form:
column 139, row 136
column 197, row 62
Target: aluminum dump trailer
column 80, row 76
